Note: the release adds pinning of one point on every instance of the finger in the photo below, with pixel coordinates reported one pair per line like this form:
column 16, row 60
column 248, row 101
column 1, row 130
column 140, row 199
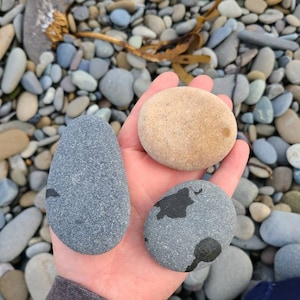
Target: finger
column 203, row 82
column 227, row 100
column 128, row 136
column 231, row 169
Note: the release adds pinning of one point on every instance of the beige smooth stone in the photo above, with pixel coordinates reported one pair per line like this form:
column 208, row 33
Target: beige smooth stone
column 288, row 126
column 77, row 106
column 256, row 6
column 7, row 34
column 259, row 211
column 179, row 127
column 12, row 142
column 27, row 106
column 43, row 160
column 282, row 207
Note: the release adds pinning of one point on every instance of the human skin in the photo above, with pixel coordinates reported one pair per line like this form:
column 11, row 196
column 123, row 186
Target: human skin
column 128, row 271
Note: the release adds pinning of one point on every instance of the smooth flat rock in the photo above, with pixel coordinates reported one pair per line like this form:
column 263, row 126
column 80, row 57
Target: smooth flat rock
column 245, row 192
column 27, row 106
column 293, row 155
column 264, row 61
column 282, row 178
column 7, row 34
column 12, row 141
column 229, row 275
column 87, row 201
column 40, row 273
column 190, row 226
column 281, row 228
column 172, row 122
column 287, row 262
column 16, row 234
column 8, row 191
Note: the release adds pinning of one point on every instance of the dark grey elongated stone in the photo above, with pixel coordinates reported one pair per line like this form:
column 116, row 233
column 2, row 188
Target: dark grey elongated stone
column 190, row 226
column 87, row 200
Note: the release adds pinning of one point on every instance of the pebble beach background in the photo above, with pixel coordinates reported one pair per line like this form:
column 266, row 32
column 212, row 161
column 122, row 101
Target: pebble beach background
column 255, row 59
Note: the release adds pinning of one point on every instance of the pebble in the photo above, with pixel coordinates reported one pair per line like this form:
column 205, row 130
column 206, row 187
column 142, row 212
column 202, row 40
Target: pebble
column 259, row 211
column 43, row 160
column 288, row 126
column 281, row 179
column 31, row 83
column 245, row 192
column 12, row 141
column 293, row 155
column 104, row 167
column 233, row 282
column 256, row 90
column 254, row 243
column 98, row 68
column 218, row 36
column 263, row 112
column 245, row 228
column 27, row 106
column 13, row 285
column 120, row 17
column 14, row 70
column 37, row 248
column 8, row 191
column 281, row 103
column 186, row 26
column 186, row 107
column 259, row 169
column 195, row 279
column 16, row 234
column 281, row 228
column 281, row 147
column 155, row 23
column 84, row 81
column 264, row 151
column 40, row 273
column 122, row 96
column 292, row 199
column 192, row 232
column 37, row 180
column 264, row 61
column 64, row 54
column 178, row 13
column 7, row 34
column 104, row 49
column 77, row 106
column 230, row 9
column 287, row 262
column 56, row 73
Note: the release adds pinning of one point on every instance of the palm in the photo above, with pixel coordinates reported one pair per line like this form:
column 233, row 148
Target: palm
column 128, row 271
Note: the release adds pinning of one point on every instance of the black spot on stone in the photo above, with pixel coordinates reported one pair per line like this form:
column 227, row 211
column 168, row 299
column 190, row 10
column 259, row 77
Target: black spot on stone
column 52, row 193
column 198, row 192
column 175, row 205
column 207, row 250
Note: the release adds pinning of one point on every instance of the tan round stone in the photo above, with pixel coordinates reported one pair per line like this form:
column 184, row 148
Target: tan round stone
column 27, row 106
column 27, row 199
column 259, row 211
column 7, row 34
column 282, row 207
column 43, row 160
column 186, row 128
column 12, row 142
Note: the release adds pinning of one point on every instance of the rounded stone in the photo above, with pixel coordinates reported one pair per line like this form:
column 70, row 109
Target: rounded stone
column 259, row 211
column 293, row 155
column 245, row 228
column 292, row 199
column 87, row 169
column 77, row 106
column 282, row 178
column 8, row 191
column 27, row 106
column 292, row 71
column 190, row 226
column 7, row 34
column 84, row 81
column 264, row 151
column 120, row 17
column 173, row 122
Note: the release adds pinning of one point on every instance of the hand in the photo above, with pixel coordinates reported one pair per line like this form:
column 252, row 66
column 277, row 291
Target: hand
column 128, row 271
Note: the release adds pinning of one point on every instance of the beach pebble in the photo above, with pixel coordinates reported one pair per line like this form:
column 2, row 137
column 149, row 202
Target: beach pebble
column 123, row 95
column 84, row 81
column 282, row 178
column 264, row 61
column 77, row 106
column 40, row 273
column 263, row 112
column 56, row 73
column 195, row 279
column 98, row 67
column 7, row 34
column 245, row 228
column 100, row 218
column 64, row 54
column 281, row 228
column 37, row 248
column 120, row 17
column 245, row 192
column 31, row 84
column 186, row 229
column 281, row 103
column 264, row 151
column 103, row 49
column 8, row 191
column 256, row 90
column 231, row 283
column 186, row 26
column 254, row 243
column 27, row 106
column 292, row 199
column 293, row 155
column 16, row 234
column 259, row 211
column 230, row 9
column 12, row 141
column 37, row 180
column 292, row 71
column 13, row 286
column 185, row 108
column 281, row 147
column 287, row 262
column 14, row 70
column 288, row 126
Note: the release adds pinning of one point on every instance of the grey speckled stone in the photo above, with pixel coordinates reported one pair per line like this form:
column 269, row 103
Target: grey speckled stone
column 87, row 195
column 190, row 226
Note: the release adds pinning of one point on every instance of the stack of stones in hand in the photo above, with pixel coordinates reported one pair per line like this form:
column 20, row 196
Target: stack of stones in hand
column 255, row 58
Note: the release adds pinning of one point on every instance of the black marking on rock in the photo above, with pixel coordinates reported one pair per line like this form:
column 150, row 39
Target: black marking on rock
column 175, row 205
column 207, row 250
column 52, row 193
column 197, row 192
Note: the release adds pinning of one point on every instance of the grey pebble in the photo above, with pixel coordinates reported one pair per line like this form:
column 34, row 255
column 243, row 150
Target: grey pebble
column 293, row 155
column 103, row 113
column 263, row 112
column 98, row 67
column 233, row 282
column 287, row 262
column 245, row 192
column 185, row 26
column 292, row 71
column 81, row 13
column 120, row 17
column 87, row 169
column 264, row 61
column 245, row 228
column 6, row 5
column 16, row 234
column 296, row 175
column 256, row 90
column 84, row 81
column 37, row 248
column 247, row 117
column 218, row 36
column 281, row 228
column 11, row 14
column 264, row 39
column 264, row 151
column 67, row 84
column 46, row 82
column 281, row 147
column 281, row 179
column 8, row 191
column 37, row 180
column 2, row 221
column 195, row 279
column 56, row 73
column 121, row 78
column 252, row 244
column 104, row 49
column 186, row 229
column 64, row 54
column 18, row 26
column 282, row 103
column 31, row 84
